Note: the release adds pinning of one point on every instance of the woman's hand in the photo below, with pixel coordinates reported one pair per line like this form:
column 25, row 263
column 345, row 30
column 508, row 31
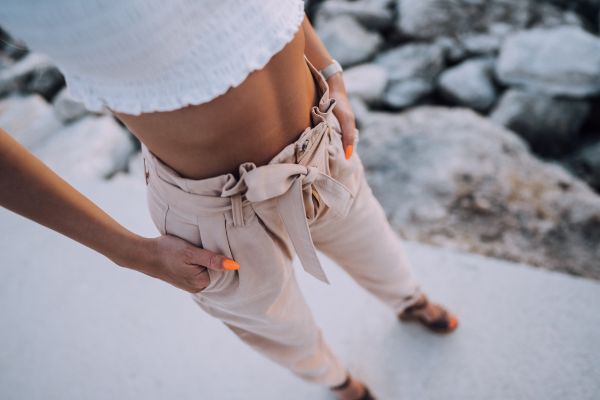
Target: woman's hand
column 343, row 112
column 180, row 263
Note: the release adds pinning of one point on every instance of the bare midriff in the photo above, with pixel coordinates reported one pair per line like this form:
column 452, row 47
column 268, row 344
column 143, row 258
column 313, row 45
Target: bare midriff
column 250, row 122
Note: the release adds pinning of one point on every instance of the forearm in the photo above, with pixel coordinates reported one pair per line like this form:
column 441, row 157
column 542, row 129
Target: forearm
column 318, row 55
column 29, row 188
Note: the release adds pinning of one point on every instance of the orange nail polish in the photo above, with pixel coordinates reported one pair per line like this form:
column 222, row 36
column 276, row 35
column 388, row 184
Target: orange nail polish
column 230, row 265
column 349, row 151
column 453, row 323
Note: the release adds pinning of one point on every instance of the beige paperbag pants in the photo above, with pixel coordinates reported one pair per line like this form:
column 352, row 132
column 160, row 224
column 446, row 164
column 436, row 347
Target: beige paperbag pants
column 308, row 195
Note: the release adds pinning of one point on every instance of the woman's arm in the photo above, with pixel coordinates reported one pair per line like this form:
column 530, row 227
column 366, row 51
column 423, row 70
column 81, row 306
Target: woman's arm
column 29, row 188
column 319, row 57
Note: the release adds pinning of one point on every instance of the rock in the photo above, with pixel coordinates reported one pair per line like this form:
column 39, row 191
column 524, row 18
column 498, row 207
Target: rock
column 453, row 49
column 68, row 109
column 470, row 84
column 486, row 193
column 586, row 8
column 17, row 75
column 550, row 125
column 90, row 148
column 47, row 82
column 481, row 44
column 360, row 109
column 406, row 93
column 412, row 71
column 431, row 18
column 29, row 119
column 549, row 16
column 367, row 81
column 557, row 61
column 136, row 165
column 585, row 164
column 373, row 14
column 347, row 41
column 13, row 49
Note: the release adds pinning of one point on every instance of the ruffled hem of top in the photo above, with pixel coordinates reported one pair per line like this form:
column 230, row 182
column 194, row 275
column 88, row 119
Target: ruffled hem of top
column 95, row 101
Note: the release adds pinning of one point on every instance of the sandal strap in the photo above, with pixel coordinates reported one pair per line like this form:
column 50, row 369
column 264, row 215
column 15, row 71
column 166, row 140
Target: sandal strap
column 417, row 306
column 342, row 385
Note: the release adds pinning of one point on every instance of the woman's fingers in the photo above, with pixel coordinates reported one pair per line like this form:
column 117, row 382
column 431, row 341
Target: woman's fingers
column 344, row 114
column 209, row 259
column 184, row 265
column 348, row 126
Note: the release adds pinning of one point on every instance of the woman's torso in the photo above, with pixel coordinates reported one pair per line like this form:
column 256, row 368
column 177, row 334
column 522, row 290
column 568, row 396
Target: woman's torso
column 250, row 122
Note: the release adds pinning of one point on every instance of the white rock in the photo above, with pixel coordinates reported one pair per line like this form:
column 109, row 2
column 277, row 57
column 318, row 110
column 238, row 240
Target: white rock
column 470, row 84
column 431, row 18
column 67, row 108
column 550, row 125
column 373, row 14
column 30, row 62
column 557, row 61
column 347, row 40
column 367, row 81
column 136, row 165
column 29, row 119
column 412, row 61
column 499, row 199
column 412, row 71
column 406, row 93
column 92, row 147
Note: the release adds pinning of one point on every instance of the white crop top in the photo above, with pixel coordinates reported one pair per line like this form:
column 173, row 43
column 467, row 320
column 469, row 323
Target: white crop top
column 137, row 56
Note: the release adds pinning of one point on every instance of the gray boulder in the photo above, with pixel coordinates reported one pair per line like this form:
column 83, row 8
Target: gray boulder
column 90, row 148
column 16, row 76
column 66, row 108
column 412, row 72
column 406, row 93
column 470, row 84
column 557, row 61
column 450, row 177
column 373, row 14
column 46, row 82
column 366, row 81
column 431, row 18
column 29, row 119
column 550, row 125
column 481, row 44
column 585, row 163
column 348, row 41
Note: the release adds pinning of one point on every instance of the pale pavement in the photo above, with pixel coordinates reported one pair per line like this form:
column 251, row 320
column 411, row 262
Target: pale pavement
column 75, row 326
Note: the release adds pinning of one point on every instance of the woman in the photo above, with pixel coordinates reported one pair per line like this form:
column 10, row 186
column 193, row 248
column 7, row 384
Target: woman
column 247, row 141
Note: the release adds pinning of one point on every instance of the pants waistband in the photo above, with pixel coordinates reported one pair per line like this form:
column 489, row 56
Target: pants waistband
column 287, row 177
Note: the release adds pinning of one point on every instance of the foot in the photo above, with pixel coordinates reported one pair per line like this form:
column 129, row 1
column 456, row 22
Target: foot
column 352, row 389
column 433, row 316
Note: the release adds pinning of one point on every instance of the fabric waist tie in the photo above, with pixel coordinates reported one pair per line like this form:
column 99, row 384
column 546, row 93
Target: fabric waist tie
column 287, row 184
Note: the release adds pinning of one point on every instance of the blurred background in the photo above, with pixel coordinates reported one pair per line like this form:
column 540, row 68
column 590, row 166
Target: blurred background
column 480, row 133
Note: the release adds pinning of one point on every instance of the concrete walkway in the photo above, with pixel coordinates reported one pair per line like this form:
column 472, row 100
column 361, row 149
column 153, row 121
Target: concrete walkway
column 75, row 326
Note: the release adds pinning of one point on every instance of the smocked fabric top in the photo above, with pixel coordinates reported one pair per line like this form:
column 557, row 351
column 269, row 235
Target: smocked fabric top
column 136, row 56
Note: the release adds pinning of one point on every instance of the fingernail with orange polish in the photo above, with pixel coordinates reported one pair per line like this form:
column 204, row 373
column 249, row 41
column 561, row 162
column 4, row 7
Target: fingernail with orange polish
column 349, row 151
column 230, row 265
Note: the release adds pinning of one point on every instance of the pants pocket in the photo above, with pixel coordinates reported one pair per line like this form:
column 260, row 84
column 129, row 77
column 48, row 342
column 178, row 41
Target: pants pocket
column 158, row 210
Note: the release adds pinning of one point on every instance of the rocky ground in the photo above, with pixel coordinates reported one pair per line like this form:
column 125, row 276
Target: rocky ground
column 480, row 120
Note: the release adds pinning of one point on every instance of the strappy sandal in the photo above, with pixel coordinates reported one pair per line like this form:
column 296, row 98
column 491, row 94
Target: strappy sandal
column 366, row 396
column 445, row 323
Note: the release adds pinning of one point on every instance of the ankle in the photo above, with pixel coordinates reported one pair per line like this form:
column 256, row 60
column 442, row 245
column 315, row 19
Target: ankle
column 350, row 389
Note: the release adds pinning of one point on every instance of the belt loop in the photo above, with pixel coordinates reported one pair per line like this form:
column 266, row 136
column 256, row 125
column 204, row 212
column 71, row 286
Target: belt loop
column 237, row 210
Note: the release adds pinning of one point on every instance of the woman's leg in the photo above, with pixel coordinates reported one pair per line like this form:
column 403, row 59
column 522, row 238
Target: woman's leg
column 261, row 302
column 365, row 245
